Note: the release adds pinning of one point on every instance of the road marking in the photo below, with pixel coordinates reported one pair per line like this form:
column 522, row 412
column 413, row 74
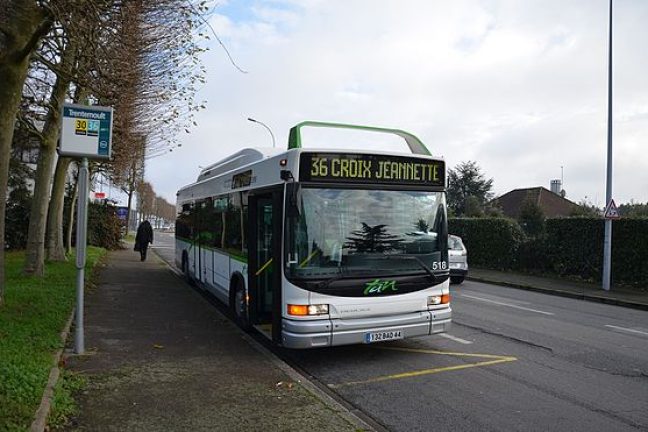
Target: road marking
column 455, row 338
column 163, row 247
column 492, row 360
column 506, row 304
column 626, row 329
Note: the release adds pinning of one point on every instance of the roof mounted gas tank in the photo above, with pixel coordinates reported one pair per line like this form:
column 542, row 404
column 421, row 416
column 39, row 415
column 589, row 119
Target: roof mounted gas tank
column 415, row 145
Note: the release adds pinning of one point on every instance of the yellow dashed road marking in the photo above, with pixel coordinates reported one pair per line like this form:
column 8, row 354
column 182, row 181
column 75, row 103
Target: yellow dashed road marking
column 493, row 359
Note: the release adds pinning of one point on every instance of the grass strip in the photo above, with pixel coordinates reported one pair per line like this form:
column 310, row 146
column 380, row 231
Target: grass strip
column 31, row 320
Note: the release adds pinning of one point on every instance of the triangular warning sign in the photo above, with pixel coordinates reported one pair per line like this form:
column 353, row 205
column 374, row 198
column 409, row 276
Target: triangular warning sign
column 611, row 211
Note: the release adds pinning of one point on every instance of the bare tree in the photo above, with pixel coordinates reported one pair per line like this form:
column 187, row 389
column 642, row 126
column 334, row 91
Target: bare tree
column 144, row 61
column 145, row 200
column 140, row 57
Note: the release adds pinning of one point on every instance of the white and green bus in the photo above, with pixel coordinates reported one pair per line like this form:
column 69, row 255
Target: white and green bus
column 317, row 247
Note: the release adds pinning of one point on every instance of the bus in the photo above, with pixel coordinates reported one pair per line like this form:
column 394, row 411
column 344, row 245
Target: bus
column 316, row 247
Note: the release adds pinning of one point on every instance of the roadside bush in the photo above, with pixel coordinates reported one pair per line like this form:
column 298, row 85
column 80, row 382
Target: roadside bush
column 491, row 242
column 532, row 256
column 104, row 227
column 630, row 251
column 568, row 247
column 17, row 218
column 577, row 248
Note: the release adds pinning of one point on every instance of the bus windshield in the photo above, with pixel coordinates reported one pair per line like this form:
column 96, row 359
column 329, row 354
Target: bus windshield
column 335, row 233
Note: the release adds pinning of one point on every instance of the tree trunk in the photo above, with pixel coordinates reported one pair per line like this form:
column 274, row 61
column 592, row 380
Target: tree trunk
column 70, row 227
column 128, row 214
column 35, row 253
column 55, row 247
column 21, row 26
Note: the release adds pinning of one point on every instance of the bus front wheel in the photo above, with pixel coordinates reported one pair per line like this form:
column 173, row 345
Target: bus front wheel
column 240, row 306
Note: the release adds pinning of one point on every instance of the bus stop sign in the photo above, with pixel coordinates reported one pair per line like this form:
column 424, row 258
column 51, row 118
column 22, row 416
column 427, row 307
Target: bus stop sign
column 86, row 131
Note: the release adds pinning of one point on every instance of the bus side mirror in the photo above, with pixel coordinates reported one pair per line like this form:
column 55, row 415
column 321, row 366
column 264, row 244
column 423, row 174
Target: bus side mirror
column 292, row 198
column 443, row 228
column 286, row 175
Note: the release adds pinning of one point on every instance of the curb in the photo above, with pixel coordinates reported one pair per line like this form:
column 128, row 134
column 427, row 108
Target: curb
column 562, row 293
column 40, row 418
column 330, row 402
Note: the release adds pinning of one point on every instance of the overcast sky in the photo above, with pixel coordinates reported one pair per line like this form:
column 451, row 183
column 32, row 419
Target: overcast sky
column 518, row 86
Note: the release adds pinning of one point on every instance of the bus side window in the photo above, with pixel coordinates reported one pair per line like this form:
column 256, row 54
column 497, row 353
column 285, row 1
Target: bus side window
column 233, row 228
column 183, row 222
column 244, row 221
column 215, row 223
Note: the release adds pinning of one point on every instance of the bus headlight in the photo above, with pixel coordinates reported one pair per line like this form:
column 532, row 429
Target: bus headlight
column 437, row 300
column 434, row 300
column 321, row 309
column 304, row 310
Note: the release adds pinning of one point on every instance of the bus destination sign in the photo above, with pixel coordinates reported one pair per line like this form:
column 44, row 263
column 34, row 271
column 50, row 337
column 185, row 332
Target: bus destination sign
column 365, row 168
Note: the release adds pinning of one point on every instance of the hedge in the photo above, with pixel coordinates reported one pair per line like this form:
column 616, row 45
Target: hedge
column 577, row 248
column 104, row 227
column 569, row 247
column 491, row 242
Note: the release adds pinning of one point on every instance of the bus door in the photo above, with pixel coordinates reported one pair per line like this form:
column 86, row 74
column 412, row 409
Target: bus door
column 199, row 258
column 264, row 271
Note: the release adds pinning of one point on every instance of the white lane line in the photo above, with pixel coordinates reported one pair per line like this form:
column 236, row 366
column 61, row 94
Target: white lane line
column 494, row 297
column 626, row 329
column 506, row 304
column 455, row 338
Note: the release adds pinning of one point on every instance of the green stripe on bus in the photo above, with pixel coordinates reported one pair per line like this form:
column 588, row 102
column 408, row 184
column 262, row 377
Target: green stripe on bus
column 231, row 255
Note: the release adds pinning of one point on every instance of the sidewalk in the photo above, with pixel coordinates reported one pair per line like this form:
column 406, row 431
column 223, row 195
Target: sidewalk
column 637, row 299
column 161, row 358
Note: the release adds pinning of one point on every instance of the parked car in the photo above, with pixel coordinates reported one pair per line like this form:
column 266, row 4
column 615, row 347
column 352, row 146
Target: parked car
column 458, row 257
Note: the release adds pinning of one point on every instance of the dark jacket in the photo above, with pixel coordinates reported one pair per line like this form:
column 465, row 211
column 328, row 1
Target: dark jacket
column 144, row 235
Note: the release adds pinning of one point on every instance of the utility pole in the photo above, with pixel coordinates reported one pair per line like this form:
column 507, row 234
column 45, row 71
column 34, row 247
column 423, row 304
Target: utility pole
column 607, row 240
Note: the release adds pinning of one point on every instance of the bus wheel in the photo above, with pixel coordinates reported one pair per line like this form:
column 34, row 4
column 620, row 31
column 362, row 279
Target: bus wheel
column 240, row 306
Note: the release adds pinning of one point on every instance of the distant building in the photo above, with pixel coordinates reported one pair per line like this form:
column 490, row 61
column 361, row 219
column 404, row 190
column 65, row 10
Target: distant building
column 552, row 204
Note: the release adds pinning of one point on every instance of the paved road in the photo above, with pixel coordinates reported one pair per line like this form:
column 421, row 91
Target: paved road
column 514, row 360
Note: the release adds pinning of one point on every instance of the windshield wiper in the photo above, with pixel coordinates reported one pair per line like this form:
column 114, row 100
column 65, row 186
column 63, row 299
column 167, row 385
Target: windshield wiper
column 420, row 262
column 325, row 283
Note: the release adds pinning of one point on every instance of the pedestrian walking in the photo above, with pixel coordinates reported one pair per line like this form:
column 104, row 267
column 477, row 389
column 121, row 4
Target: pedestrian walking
column 143, row 237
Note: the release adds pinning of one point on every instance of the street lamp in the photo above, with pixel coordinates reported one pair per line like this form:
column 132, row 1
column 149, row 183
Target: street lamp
column 265, row 126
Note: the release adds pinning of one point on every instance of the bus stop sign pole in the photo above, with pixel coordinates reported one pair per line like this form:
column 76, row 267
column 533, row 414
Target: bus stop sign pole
column 81, row 241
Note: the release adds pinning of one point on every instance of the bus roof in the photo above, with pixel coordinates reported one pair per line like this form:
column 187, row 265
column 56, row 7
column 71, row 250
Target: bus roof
column 265, row 161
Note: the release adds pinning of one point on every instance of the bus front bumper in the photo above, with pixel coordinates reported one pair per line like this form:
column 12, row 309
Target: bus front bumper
column 322, row 333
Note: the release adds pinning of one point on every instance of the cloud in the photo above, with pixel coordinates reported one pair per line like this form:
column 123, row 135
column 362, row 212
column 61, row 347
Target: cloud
column 520, row 87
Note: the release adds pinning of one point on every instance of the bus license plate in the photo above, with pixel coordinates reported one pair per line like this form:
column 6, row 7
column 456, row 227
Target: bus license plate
column 383, row 336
